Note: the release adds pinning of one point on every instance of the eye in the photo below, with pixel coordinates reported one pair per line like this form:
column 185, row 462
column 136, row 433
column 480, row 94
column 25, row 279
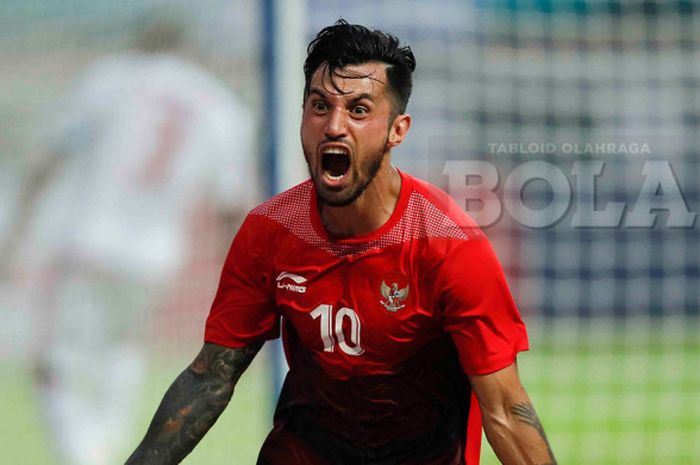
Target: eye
column 319, row 106
column 359, row 110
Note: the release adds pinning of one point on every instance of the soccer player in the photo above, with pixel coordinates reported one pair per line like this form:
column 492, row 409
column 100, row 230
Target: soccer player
column 399, row 329
column 145, row 138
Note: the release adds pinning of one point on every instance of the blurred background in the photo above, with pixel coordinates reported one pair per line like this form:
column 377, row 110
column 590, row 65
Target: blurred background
column 614, row 366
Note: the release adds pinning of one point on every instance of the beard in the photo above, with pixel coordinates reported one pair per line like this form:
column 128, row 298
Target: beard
column 362, row 177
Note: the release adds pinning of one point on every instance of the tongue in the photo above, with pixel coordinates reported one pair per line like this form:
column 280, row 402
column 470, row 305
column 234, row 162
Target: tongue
column 335, row 163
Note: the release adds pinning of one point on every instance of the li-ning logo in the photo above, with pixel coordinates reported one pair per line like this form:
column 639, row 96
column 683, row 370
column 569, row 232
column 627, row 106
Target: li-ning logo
column 285, row 276
column 394, row 296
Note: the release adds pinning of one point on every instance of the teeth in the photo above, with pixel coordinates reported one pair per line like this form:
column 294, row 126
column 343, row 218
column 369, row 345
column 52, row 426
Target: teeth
column 335, row 150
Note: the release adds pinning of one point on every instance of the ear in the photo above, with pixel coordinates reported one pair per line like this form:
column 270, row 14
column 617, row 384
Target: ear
column 399, row 129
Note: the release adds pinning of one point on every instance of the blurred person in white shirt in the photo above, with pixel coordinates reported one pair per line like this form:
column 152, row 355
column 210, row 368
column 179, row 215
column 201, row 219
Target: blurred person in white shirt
column 102, row 221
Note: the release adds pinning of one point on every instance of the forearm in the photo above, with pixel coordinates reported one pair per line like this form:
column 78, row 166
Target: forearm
column 517, row 436
column 510, row 422
column 189, row 408
column 192, row 404
column 41, row 171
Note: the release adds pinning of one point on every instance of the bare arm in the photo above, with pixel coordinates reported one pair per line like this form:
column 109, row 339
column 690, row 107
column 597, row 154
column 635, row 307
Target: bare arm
column 41, row 172
column 192, row 404
column 510, row 421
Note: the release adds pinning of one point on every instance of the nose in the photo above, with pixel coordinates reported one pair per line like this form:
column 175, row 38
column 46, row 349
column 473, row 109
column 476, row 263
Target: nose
column 335, row 124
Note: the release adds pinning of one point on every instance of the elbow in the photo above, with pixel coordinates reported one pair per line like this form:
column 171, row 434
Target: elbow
column 498, row 425
column 497, row 421
column 502, row 435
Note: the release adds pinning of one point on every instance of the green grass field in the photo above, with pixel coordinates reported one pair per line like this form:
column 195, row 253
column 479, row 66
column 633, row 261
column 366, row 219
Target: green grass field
column 606, row 395
column 235, row 439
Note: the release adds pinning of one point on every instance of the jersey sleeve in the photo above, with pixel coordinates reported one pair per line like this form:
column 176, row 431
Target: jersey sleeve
column 478, row 310
column 243, row 311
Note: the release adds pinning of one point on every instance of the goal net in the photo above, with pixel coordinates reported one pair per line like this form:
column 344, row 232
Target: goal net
column 587, row 111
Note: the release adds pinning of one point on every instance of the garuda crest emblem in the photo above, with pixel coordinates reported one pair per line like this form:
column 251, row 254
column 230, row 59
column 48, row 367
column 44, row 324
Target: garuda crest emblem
column 393, row 296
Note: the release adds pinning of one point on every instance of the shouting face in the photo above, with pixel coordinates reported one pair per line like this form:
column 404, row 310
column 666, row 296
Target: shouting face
column 347, row 129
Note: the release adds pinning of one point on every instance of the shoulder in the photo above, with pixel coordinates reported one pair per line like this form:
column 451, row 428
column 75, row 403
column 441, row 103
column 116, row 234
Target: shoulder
column 283, row 212
column 192, row 82
column 271, row 224
column 103, row 81
column 289, row 204
column 107, row 66
column 436, row 212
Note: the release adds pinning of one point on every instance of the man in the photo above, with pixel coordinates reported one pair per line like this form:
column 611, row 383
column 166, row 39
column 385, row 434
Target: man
column 395, row 307
column 144, row 140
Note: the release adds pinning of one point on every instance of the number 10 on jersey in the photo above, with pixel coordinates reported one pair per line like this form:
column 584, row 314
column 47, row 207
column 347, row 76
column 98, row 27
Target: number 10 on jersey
column 332, row 329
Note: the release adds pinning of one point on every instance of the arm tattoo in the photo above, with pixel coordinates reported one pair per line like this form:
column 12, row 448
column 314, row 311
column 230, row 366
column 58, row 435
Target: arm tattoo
column 525, row 413
column 192, row 404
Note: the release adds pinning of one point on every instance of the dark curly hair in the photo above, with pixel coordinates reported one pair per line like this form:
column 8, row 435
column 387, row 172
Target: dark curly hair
column 344, row 44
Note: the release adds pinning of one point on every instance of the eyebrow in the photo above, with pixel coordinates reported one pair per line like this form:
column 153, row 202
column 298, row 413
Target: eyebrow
column 322, row 94
column 362, row 97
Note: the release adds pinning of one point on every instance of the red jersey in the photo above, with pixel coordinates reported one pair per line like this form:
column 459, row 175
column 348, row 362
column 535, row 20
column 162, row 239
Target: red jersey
column 379, row 330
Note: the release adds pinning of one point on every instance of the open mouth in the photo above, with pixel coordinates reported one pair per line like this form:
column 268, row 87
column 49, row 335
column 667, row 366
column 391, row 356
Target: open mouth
column 335, row 163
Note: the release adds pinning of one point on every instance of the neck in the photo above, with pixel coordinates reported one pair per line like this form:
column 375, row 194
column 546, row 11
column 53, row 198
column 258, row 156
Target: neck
column 370, row 210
